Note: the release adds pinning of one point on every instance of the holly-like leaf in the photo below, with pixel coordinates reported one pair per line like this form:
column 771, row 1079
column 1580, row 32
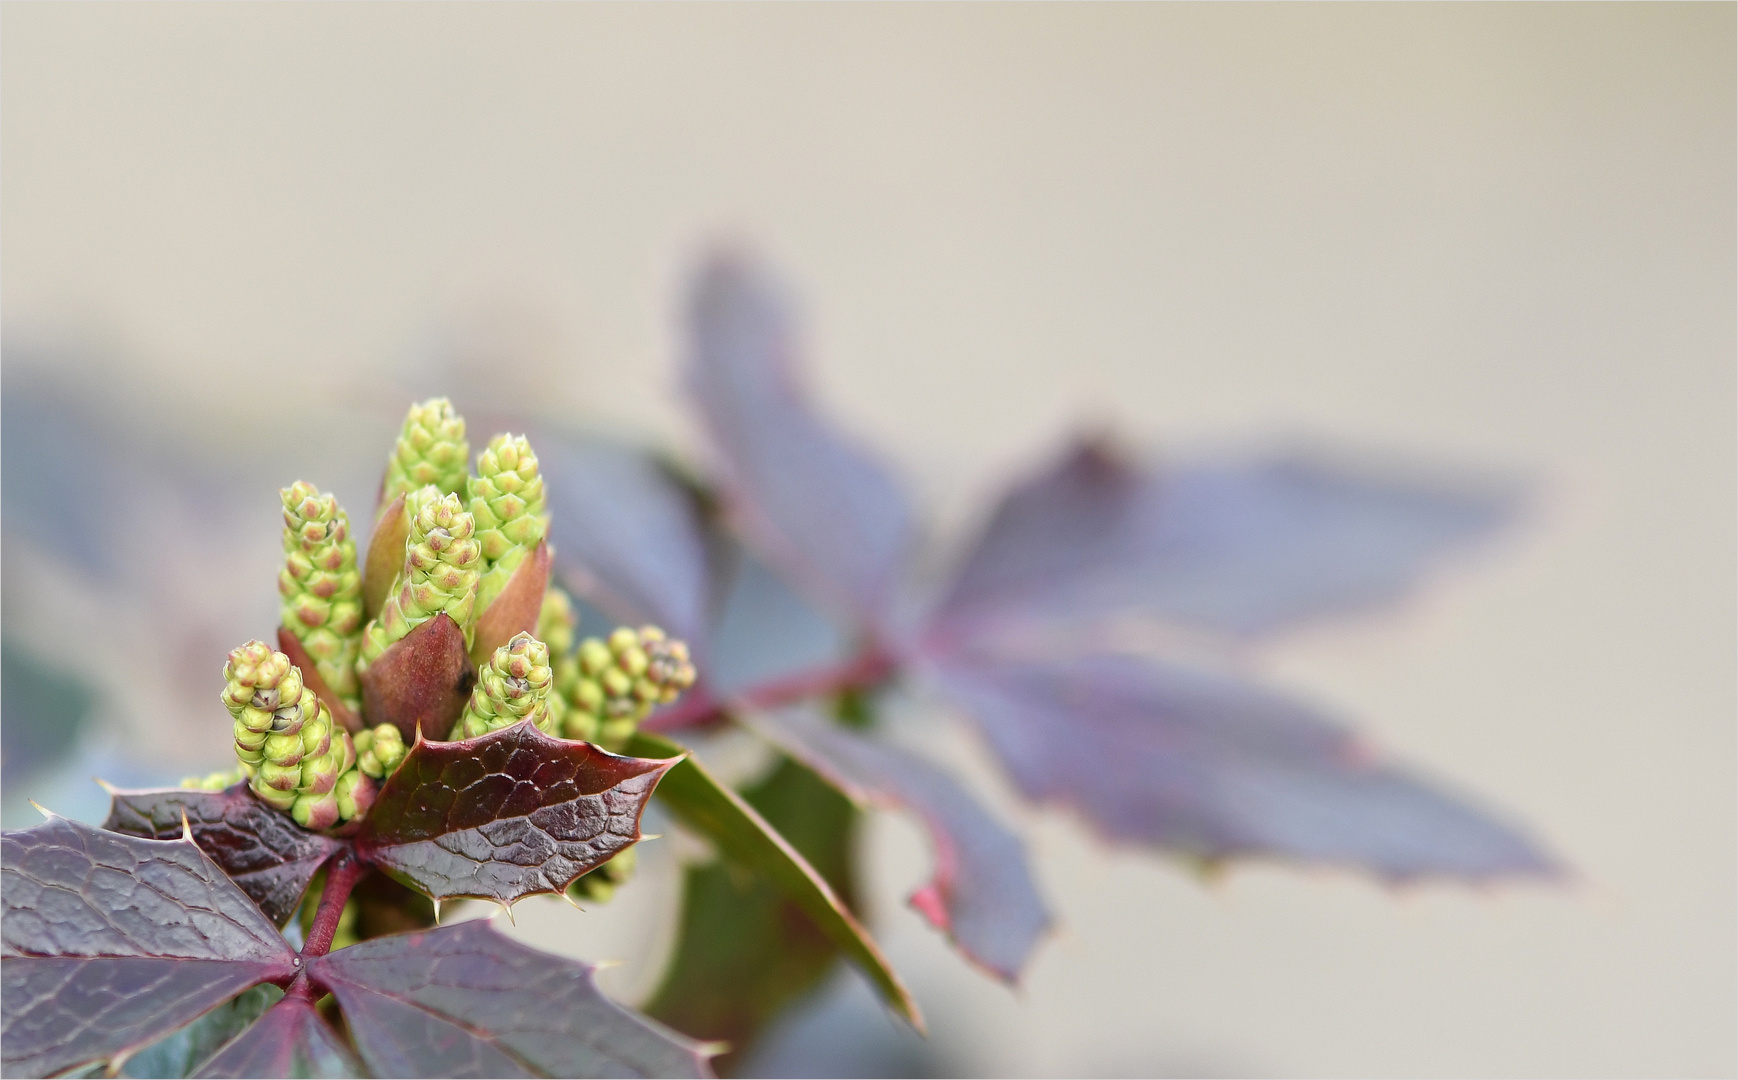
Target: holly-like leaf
column 261, row 849
column 1237, row 548
column 745, row 838
column 630, row 537
column 290, row 1040
column 982, row 894
column 112, row 940
column 182, row 1052
column 506, row 814
column 515, row 609
column 1208, row 765
column 813, row 503
column 465, row 1001
column 421, row 683
column 745, row 950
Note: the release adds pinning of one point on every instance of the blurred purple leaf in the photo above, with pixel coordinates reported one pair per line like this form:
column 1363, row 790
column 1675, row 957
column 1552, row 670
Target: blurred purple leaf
column 1237, row 548
column 982, row 895
column 262, row 850
column 111, row 940
column 291, row 1039
column 1198, row 762
column 817, row 506
column 628, row 535
column 465, row 1001
column 506, row 814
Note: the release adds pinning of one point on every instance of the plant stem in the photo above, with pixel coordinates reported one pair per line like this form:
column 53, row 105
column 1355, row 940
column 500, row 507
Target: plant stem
column 346, row 870
column 866, row 669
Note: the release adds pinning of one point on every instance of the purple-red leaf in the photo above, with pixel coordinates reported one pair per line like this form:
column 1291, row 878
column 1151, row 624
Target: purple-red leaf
column 982, row 895
column 628, row 536
column 385, row 556
column 110, row 941
column 261, row 849
column 291, row 1039
column 465, row 1001
column 421, row 682
column 506, row 814
column 813, row 503
column 1234, row 548
column 1211, row 766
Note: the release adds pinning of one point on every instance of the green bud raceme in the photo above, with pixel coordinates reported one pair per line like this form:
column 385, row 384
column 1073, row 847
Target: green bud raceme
column 555, row 626
column 379, row 750
column 513, row 686
column 431, row 449
column 284, row 736
column 622, row 679
column 321, row 587
column 506, row 499
column 440, row 574
column 216, row 781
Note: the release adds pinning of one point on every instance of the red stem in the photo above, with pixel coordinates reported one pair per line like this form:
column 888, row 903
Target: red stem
column 864, row 670
column 346, row 870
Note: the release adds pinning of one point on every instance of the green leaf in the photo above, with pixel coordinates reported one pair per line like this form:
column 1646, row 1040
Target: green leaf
column 763, row 925
column 179, row 1053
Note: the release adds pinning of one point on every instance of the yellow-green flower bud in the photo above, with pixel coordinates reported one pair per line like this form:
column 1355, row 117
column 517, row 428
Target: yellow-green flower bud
column 506, row 499
column 621, row 680
column 216, row 781
column 441, row 559
column 513, row 686
column 555, row 626
column 354, row 793
column 379, row 750
column 321, row 587
column 431, row 449
column 285, row 738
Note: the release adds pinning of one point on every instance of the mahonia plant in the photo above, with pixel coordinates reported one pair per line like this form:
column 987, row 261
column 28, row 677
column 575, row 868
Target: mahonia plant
column 429, row 729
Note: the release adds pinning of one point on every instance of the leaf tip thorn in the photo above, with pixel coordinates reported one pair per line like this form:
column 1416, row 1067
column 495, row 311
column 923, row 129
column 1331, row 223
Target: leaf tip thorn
column 106, row 786
column 437, row 910
column 43, row 810
column 186, row 829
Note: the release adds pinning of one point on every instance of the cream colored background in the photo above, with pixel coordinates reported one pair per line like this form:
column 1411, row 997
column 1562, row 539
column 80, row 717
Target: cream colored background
column 1487, row 234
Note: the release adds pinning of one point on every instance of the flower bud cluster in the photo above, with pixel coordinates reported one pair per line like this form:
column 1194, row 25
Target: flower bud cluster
column 513, row 686
column 431, row 449
column 440, row 573
column 379, row 750
column 321, row 588
column 621, row 679
column 285, row 738
column 506, row 500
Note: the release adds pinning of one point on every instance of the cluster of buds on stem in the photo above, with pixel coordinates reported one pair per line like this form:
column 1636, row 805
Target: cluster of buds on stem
column 285, row 741
column 377, row 662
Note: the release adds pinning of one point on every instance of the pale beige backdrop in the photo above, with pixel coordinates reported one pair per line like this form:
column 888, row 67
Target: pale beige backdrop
column 1488, row 234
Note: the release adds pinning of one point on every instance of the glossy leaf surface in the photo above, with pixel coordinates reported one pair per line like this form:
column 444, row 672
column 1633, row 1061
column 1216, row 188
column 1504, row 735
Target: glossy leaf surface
column 628, row 535
column 261, row 849
column 1238, row 548
column 1212, row 766
column 815, row 505
column 745, row 951
column 465, row 1001
column 982, row 894
column 420, row 683
column 506, row 814
column 110, row 941
column 290, row 1040
column 745, row 838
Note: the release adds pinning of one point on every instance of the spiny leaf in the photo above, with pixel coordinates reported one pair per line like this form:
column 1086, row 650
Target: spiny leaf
column 421, row 682
column 112, row 940
column 746, row 951
column 290, row 1040
column 1237, row 548
column 632, row 538
column 465, row 1001
column 506, row 814
column 1211, row 766
column 261, row 849
column 746, row 839
column 982, row 895
column 813, row 503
